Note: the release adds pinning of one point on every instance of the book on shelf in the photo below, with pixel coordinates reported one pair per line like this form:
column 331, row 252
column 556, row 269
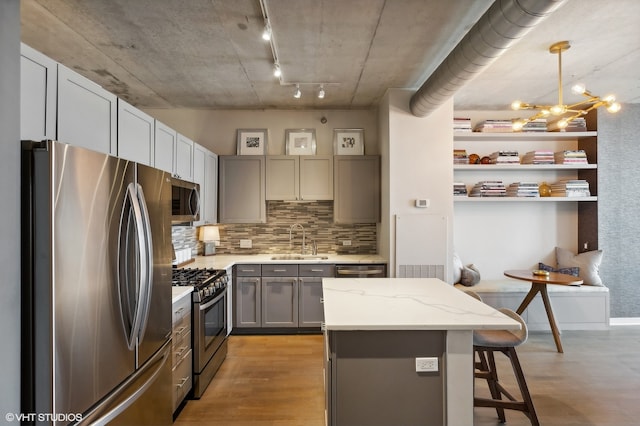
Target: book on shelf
column 537, row 125
column 505, row 157
column 459, row 189
column 488, row 188
column 460, row 156
column 523, row 189
column 494, row 126
column 576, row 125
column 577, row 156
column 461, row 124
column 538, row 157
column 570, row 188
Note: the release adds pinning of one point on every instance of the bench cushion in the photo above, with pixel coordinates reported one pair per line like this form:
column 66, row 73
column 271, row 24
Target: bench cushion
column 517, row 286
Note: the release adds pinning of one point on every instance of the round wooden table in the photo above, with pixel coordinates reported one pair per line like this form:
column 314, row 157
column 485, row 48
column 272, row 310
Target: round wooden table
column 539, row 285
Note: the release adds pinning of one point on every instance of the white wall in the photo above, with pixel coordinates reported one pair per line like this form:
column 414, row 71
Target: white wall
column 216, row 129
column 10, row 196
column 417, row 163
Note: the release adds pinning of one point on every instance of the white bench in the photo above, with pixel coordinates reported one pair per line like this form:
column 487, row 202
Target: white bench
column 582, row 307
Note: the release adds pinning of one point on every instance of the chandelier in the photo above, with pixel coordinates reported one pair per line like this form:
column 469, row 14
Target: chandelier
column 565, row 113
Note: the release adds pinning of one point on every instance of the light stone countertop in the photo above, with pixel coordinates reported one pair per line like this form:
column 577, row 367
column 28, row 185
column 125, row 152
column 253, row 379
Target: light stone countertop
column 224, row 261
column 178, row 292
column 405, row 304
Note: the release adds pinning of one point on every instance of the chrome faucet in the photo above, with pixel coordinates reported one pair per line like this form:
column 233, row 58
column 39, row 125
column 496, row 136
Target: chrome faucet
column 297, row 225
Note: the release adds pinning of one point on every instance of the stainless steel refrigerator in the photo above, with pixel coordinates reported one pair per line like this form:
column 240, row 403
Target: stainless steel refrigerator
column 96, row 282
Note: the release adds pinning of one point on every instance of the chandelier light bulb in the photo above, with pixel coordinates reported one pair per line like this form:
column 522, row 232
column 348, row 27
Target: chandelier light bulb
column 545, row 112
column 578, row 88
column 563, row 123
column 558, row 109
column 516, row 105
column 614, row 107
column 517, row 125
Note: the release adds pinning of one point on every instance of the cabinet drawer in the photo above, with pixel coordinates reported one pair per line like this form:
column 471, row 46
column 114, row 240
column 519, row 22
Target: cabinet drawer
column 248, row 270
column 181, row 309
column 181, row 379
column 180, row 328
column 319, row 270
column 280, row 270
column 180, row 348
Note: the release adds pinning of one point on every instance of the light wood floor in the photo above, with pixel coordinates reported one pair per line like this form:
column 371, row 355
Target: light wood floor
column 277, row 381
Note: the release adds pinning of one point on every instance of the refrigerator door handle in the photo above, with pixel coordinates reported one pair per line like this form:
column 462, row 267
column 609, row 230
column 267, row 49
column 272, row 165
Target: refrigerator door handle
column 146, row 276
column 129, row 298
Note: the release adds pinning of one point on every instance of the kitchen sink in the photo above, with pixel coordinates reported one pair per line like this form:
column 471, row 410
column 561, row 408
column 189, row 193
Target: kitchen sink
column 299, row 257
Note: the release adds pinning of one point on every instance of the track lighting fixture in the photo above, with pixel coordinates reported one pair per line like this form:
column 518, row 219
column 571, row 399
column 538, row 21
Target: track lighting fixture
column 297, row 93
column 266, row 34
column 321, row 92
column 277, row 72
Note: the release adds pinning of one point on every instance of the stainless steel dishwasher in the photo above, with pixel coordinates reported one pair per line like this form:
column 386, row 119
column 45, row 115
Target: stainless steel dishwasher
column 362, row 270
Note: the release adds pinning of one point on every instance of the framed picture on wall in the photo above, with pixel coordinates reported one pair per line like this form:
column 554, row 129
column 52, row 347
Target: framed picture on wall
column 300, row 141
column 252, row 142
column 348, row 141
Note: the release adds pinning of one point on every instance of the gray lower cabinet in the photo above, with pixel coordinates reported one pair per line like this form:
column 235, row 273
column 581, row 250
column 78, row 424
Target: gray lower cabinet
column 182, row 371
column 279, row 295
column 247, row 295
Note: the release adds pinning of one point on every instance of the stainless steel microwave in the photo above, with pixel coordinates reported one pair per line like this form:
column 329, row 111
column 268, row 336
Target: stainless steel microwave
column 185, row 201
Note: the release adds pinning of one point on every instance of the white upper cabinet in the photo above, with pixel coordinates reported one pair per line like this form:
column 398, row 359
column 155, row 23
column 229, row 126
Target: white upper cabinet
column 205, row 173
column 38, row 87
column 135, row 134
column 87, row 114
column 184, row 158
column 165, row 147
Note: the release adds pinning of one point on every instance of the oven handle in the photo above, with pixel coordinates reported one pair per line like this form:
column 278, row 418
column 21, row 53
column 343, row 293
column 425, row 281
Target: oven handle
column 359, row 271
column 214, row 301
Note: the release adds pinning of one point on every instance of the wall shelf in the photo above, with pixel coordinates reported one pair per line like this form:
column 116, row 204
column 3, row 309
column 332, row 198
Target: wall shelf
column 521, row 136
column 460, row 199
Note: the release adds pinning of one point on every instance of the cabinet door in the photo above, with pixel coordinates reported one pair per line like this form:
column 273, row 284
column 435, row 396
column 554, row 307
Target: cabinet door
column 87, row 114
column 184, row 158
column 356, row 189
column 38, row 88
column 282, row 181
column 316, row 177
column 211, row 196
column 136, row 130
column 199, row 166
column 279, row 301
column 248, row 307
column 311, row 312
column 165, row 147
column 242, row 189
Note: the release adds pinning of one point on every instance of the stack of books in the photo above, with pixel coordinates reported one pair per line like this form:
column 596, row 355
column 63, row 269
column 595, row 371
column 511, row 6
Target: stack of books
column 577, row 156
column 505, row 157
column 577, row 125
column 489, row 188
column 494, row 126
column 523, row 189
column 460, row 156
column 461, row 124
column 537, row 125
column 459, row 189
column 538, row 157
column 570, row 188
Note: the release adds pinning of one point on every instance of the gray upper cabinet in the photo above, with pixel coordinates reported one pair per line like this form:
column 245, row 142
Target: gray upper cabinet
column 184, row 158
column 293, row 178
column 38, row 88
column 242, row 189
column 165, row 147
column 136, row 130
column 87, row 114
column 356, row 189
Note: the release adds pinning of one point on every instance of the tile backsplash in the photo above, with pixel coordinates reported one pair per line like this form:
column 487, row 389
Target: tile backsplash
column 273, row 236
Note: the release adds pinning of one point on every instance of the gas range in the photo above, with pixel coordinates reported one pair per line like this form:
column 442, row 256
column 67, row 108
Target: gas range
column 207, row 282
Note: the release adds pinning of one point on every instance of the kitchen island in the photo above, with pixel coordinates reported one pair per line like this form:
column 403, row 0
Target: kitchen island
column 400, row 351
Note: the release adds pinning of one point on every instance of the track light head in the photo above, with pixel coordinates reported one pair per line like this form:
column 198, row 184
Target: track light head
column 297, row 93
column 321, row 92
column 266, row 34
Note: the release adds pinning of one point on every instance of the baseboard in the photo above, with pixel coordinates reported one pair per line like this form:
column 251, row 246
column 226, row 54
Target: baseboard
column 624, row 321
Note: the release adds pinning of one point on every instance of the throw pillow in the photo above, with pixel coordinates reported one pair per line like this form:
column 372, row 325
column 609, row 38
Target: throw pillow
column 470, row 276
column 575, row 271
column 588, row 262
column 457, row 267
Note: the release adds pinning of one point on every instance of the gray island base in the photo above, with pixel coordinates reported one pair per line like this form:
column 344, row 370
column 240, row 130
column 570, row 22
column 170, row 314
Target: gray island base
column 400, row 351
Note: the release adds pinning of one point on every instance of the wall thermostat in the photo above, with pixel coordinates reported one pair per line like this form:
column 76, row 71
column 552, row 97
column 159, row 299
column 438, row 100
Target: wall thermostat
column 422, row 203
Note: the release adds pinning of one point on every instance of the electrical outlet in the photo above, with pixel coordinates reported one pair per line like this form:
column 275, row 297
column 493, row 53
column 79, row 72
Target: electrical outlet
column 426, row 365
column 245, row 244
column 346, row 242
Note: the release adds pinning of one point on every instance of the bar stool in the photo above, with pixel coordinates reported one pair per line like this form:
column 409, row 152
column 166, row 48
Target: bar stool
column 485, row 344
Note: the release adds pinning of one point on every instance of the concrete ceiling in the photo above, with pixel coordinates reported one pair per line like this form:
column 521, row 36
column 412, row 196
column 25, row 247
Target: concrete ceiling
column 209, row 53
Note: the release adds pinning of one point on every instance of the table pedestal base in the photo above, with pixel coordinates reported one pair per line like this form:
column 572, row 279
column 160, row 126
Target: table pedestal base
column 542, row 289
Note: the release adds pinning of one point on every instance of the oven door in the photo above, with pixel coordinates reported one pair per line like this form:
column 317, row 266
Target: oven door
column 210, row 329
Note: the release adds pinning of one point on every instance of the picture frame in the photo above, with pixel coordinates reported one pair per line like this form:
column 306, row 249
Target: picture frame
column 252, row 142
column 348, row 141
column 300, row 141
